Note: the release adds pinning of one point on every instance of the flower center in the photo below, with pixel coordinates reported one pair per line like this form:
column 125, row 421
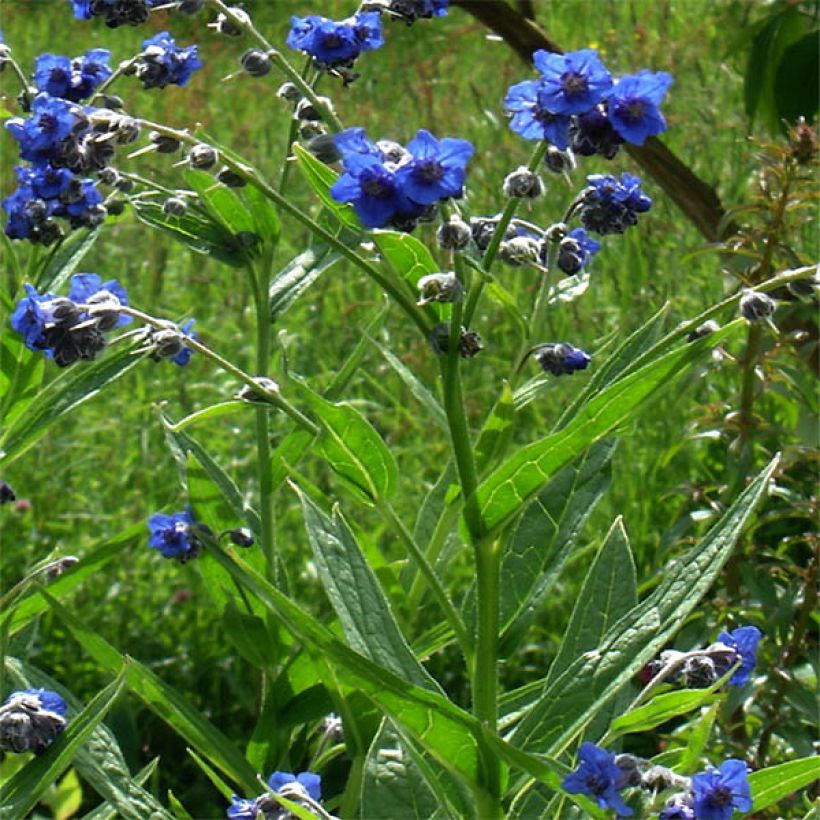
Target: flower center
column 573, row 84
column 373, row 185
column 429, row 170
column 721, row 796
column 331, row 41
column 596, row 784
column 632, row 111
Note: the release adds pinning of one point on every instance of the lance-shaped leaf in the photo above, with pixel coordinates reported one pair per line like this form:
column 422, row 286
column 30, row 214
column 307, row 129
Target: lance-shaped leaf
column 321, row 179
column 65, row 259
column 62, row 395
column 20, row 794
column 660, row 709
column 297, row 276
column 592, row 680
column 352, row 446
column 506, row 491
column 356, row 596
column 773, row 784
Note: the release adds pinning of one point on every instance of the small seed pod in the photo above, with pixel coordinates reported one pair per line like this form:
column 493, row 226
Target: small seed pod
column 289, row 92
column 242, row 537
column 520, row 250
column 439, row 287
column 804, row 288
column 558, row 161
column 104, row 309
column 256, row 62
column 323, row 147
column 556, row 232
column 108, row 176
column 57, row 568
column 305, row 110
column 225, row 25
column 230, row 178
column 115, row 206
column 523, row 184
column 570, row 256
column 702, row 331
column 453, row 234
column 202, row 157
column 128, row 130
column 247, row 393
column 175, row 206
column 113, row 102
column 164, row 144
column 125, row 185
column 755, row 306
column 309, row 130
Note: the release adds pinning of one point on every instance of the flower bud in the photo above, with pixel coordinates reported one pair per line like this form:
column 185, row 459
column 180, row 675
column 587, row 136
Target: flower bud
column 128, row 130
column 108, row 176
column 247, row 393
column 164, row 144
column 439, row 287
column 225, row 25
column 702, row 331
column 191, row 7
column 453, row 234
column 30, row 720
column 113, row 102
column 523, row 184
column 57, row 568
column 6, row 493
column 520, row 250
column 558, row 161
column 175, row 206
column 469, row 343
column 289, row 92
column 104, row 307
column 561, row 358
column 323, row 147
column 755, row 306
column 256, row 62
column 305, row 110
column 309, row 130
column 242, row 537
column 202, row 157
column 230, row 178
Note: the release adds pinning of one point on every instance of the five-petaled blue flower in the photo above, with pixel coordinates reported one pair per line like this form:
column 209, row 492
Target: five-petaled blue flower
column 40, row 134
column 437, row 169
column 287, row 784
column 72, row 79
column 173, row 535
column 372, row 189
column 163, row 62
column 612, row 204
column 598, row 777
column 333, row 43
column 531, row 118
column 572, row 83
column 744, row 641
column 718, row 792
column 633, row 106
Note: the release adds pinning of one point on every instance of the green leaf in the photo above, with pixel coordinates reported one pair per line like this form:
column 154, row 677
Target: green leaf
column 297, row 276
column 544, row 537
column 609, row 592
column 352, row 446
column 62, row 395
column 419, row 391
column 21, row 375
column 770, row 785
column 592, row 680
column 796, row 86
column 65, row 260
column 506, row 491
column 497, row 430
column 450, row 735
column 165, row 701
column 99, row 761
column 321, row 179
column 660, row 709
column 221, row 203
column 266, row 222
column 364, row 612
column 785, row 27
column 250, row 635
column 696, row 738
column 410, row 259
column 21, row 793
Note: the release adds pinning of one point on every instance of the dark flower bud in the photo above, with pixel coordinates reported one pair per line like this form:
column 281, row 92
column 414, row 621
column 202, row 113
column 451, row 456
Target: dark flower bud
column 439, row 287
column 755, row 306
column 520, row 250
column 702, row 331
column 167, row 341
column 108, row 176
column 659, row 779
column 93, row 216
column 305, row 110
column 46, row 233
column 191, row 7
column 247, row 393
column 804, row 288
column 230, row 178
column 469, row 343
column 483, row 228
column 104, row 307
column 558, row 161
column 64, row 311
column 570, row 257
column 256, row 62
column 289, row 92
column 98, row 154
column 73, row 192
column 30, row 720
column 6, row 493
column 699, row 672
column 125, row 185
column 113, row 102
column 115, row 206
column 226, row 26
column 202, row 157
column 630, row 769
column 453, row 234
column 128, row 130
column 323, row 147
column 393, row 151
column 59, row 567
column 560, row 358
column 163, row 143
column 242, row 537
column 523, row 184
column 309, row 130
column 175, row 206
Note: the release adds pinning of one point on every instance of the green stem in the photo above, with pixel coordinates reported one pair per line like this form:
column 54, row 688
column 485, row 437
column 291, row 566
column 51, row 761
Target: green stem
column 413, row 550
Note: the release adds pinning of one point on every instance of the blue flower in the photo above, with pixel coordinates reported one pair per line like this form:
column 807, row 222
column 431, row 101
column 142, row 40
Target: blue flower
column 52, row 120
column 575, row 250
column 89, row 288
column 598, row 777
column 115, row 12
column 612, row 205
column 437, row 169
column 367, row 27
column 242, row 809
column 354, row 141
column 72, row 79
column 30, row 720
column 184, row 356
column 678, row 807
column 309, row 782
column 561, row 359
column 572, row 83
column 163, row 62
column 592, row 133
column 174, row 536
column 744, row 641
column 33, row 314
column 332, row 43
column 717, row 793
column 86, row 203
column 46, row 181
column 372, row 189
column 633, row 105
column 531, row 117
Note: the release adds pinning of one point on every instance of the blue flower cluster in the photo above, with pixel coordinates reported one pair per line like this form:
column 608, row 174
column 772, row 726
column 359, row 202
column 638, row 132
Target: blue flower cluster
column 714, row 794
column 71, row 328
column 561, row 358
column 743, row 642
column 335, row 44
column 611, row 205
column 115, row 12
column 72, row 79
column 577, row 104
column 30, row 720
column 162, row 62
column 408, row 10
column 175, row 535
column 293, row 787
column 575, row 250
column 389, row 184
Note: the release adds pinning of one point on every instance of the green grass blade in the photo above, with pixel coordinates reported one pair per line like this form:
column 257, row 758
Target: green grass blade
column 776, row 782
column 21, row 793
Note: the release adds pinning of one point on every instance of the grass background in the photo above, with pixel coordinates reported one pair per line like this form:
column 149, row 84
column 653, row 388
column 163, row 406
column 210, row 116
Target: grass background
column 108, row 467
